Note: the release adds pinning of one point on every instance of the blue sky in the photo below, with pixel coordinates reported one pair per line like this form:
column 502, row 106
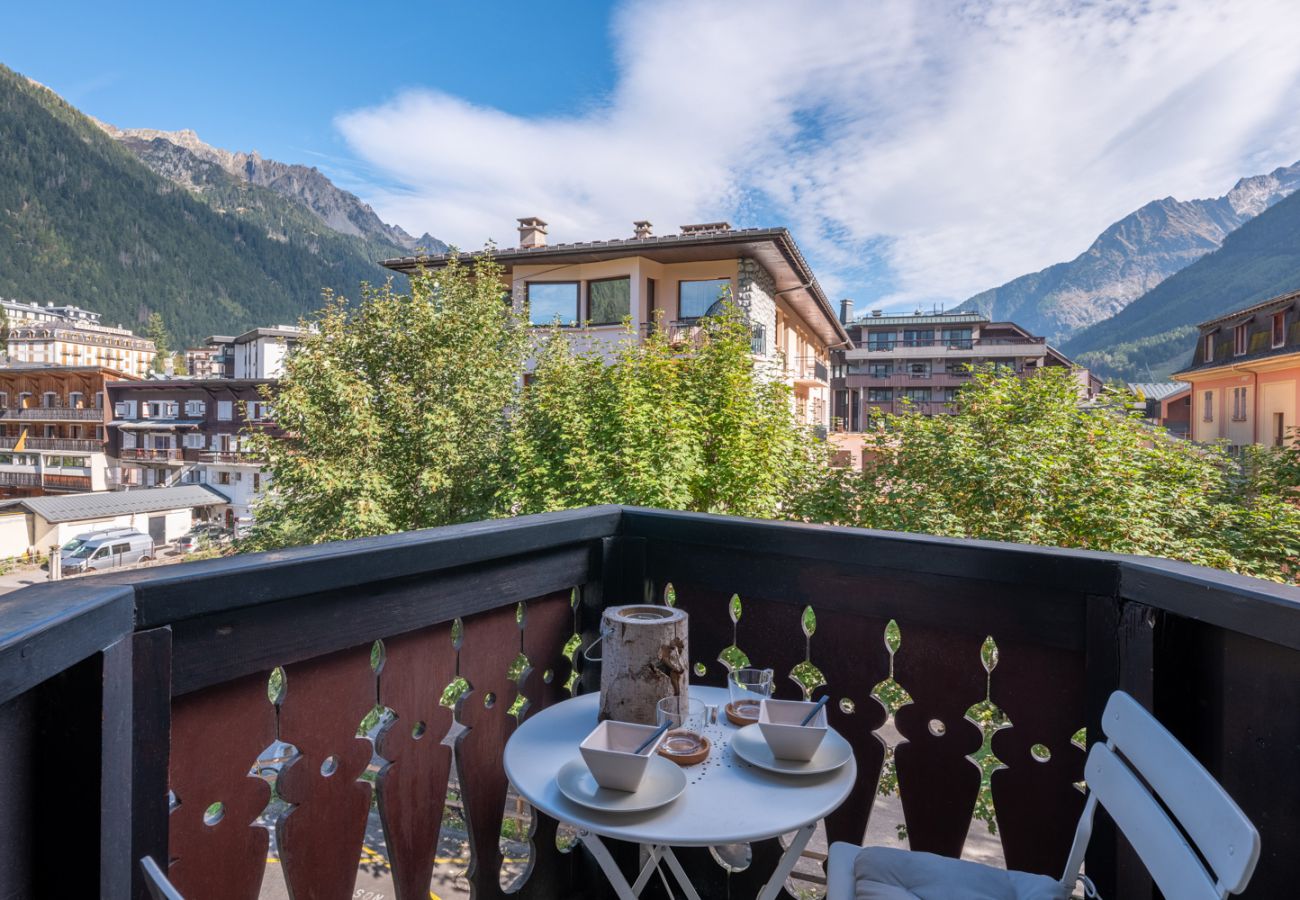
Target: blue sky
column 920, row 150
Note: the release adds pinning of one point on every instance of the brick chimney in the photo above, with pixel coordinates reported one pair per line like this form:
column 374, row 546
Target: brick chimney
column 642, row 229
column 532, row 233
column 846, row 311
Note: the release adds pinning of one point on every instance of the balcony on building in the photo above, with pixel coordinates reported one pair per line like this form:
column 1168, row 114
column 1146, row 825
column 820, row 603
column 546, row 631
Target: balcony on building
column 161, row 713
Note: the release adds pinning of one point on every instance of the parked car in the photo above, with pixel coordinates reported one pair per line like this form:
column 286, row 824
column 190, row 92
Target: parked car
column 72, row 546
column 85, row 537
column 110, row 552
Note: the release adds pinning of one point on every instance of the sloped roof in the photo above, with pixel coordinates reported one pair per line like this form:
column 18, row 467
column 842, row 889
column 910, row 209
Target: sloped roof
column 1157, row 390
column 102, row 504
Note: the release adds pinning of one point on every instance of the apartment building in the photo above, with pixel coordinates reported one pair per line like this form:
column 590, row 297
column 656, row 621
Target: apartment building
column 671, row 282
column 70, row 336
column 260, row 353
column 1245, row 375
column 919, row 362
column 192, row 431
column 53, row 428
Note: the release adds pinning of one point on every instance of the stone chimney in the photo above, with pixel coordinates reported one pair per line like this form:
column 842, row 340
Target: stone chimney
column 846, row 311
column 532, row 233
column 642, row 230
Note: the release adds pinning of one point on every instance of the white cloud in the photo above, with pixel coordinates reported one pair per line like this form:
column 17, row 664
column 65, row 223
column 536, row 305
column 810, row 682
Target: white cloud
column 956, row 144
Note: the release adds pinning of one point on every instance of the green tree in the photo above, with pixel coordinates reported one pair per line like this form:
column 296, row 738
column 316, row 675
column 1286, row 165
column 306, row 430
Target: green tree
column 156, row 330
column 645, row 423
column 1023, row 461
column 179, row 365
column 393, row 411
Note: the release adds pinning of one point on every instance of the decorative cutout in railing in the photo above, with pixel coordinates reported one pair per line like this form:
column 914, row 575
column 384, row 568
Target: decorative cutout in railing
column 409, row 685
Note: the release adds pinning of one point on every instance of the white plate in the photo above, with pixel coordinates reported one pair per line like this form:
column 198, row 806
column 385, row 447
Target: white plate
column 749, row 745
column 663, row 783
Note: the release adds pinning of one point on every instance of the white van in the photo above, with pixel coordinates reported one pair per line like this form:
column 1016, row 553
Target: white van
column 86, row 537
column 109, row 552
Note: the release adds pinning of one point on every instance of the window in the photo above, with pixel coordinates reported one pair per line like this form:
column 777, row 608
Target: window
column 195, row 408
column 65, row 462
column 918, row 337
column 918, row 370
column 1239, row 340
column 128, row 440
column 957, row 338
column 223, row 478
column 917, row 395
column 225, row 410
column 75, row 400
column 257, row 482
column 1208, row 414
column 49, row 399
column 880, row 395
column 609, row 300
column 121, row 548
column 4, row 398
column 881, row 340
column 950, row 395
column 880, row 370
column 957, row 367
column 193, row 441
column 1207, row 353
column 1239, row 404
column 552, row 301
column 701, row 298
column 1279, row 329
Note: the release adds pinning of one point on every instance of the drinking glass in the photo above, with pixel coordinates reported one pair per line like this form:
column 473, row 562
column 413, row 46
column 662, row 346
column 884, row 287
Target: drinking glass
column 749, row 688
column 685, row 718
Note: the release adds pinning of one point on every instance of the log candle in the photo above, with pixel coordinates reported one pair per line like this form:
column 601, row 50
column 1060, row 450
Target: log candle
column 644, row 659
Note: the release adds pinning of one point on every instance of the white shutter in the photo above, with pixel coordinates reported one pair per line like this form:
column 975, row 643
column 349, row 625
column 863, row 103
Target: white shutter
column 130, row 409
column 225, row 410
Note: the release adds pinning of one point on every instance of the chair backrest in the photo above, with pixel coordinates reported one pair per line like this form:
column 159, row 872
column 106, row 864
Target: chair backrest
column 1137, row 745
column 154, row 879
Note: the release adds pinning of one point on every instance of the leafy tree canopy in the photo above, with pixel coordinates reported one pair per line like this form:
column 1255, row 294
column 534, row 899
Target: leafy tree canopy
column 1023, row 461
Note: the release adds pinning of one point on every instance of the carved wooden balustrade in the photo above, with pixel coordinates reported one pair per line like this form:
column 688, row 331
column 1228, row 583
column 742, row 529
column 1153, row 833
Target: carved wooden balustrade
column 138, row 710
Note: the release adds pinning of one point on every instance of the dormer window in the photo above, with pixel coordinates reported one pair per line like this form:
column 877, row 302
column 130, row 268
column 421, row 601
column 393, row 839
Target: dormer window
column 1279, row 329
column 1209, row 348
column 1239, row 340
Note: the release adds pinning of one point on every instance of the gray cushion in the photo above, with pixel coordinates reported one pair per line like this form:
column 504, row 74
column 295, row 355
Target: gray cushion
column 885, row 873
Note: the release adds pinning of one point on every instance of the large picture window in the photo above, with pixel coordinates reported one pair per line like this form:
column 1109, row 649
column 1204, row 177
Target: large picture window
column 552, row 300
column 609, row 300
column 702, row 298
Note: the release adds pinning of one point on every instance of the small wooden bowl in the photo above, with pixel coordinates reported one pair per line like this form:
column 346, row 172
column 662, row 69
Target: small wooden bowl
column 684, row 760
column 737, row 719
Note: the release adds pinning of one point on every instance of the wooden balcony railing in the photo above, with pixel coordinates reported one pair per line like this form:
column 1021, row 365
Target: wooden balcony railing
column 61, row 482
column 116, row 690
column 80, row 445
column 153, row 454
column 51, row 413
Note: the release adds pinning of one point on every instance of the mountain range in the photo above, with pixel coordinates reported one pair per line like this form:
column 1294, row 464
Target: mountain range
column 1154, row 335
column 1130, row 258
column 131, row 222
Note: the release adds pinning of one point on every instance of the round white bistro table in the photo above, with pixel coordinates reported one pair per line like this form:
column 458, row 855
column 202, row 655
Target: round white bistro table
column 726, row 801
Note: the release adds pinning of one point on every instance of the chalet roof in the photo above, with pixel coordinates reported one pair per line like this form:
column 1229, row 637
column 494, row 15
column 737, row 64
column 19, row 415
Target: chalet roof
column 1281, row 300
column 102, row 504
column 1157, row 390
column 774, row 248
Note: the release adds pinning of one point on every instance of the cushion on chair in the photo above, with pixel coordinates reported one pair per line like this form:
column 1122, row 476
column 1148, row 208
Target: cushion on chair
column 885, row 873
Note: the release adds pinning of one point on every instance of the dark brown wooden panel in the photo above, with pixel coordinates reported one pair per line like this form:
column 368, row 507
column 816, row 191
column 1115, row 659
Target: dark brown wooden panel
column 1042, row 692
column 1042, row 614
column 548, row 623
column 320, row 836
column 218, row 647
column 412, row 786
column 491, row 643
column 216, row 737
column 936, row 782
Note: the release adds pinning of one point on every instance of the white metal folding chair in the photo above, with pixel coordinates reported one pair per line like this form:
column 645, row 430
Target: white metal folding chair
column 1138, row 749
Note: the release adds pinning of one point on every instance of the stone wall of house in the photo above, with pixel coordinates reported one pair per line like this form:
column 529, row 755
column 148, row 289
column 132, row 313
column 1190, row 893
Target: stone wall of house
column 756, row 295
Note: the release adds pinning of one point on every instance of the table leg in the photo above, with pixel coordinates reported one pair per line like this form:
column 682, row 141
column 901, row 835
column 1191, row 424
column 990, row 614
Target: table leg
column 680, row 874
column 648, row 869
column 788, row 860
column 612, row 872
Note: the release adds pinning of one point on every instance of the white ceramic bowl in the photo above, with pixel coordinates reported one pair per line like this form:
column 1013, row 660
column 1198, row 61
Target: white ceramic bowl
column 779, row 720
column 608, row 753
